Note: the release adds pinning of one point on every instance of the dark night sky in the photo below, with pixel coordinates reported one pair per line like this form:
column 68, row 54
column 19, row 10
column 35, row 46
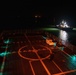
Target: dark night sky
column 18, row 12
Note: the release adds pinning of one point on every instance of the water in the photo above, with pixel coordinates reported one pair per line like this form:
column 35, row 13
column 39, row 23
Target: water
column 69, row 36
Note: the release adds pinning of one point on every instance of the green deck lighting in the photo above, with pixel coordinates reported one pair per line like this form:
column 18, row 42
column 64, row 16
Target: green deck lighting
column 61, row 48
column 49, row 29
column 74, row 57
column 4, row 53
column 54, row 44
column 1, row 73
column 74, row 28
column 6, row 41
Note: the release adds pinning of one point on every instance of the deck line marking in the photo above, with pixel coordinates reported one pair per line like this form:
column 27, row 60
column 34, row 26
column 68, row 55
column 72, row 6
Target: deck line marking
column 57, row 66
column 32, row 68
column 39, row 58
column 67, row 54
column 23, row 67
column 43, row 65
column 65, row 72
column 14, row 52
column 3, row 63
column 55, row 63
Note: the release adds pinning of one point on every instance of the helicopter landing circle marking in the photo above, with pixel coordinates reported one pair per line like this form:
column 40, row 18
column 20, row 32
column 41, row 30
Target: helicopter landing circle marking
column 34, row 59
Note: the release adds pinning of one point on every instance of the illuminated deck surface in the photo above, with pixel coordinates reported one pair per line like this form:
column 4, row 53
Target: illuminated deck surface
column 26, row 53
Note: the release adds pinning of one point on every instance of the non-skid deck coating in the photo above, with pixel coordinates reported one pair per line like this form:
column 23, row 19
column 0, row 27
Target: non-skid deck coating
column 28, row 54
